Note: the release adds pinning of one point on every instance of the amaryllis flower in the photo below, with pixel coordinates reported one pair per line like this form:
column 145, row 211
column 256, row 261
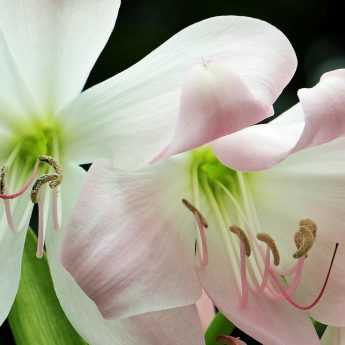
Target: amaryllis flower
column 48, row 127
column 262, row 244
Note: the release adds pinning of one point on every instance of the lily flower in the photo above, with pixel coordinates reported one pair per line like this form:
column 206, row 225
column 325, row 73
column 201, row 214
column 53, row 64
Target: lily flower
column 49, row 127
column 263, row 244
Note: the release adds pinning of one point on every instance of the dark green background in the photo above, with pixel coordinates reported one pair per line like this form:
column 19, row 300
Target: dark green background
column 315, row 28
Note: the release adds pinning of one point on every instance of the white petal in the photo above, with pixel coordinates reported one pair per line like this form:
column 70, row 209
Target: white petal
column 170, row 327
column 12, row 245
column 309, row 184
column 15, row 99
column 56, row 43
column 128, row 237
column 136, row 111
column 317, row 119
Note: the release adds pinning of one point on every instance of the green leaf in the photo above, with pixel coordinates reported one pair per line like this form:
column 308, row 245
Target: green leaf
column 219, row 326
column 36, row 317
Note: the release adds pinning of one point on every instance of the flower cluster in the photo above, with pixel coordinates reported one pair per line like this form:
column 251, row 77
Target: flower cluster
column 187, row 194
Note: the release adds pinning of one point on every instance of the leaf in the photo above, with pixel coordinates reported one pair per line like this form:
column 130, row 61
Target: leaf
column 219, row 326
column 36, row 317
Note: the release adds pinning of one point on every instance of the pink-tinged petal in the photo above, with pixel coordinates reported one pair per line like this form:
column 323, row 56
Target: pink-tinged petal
column 333, row 336
column 317, row 119
column 309, row 184
column 206, row 310
column 130, row 243
column 138, row 110
column 168, row 327
column 215, row 101
column 266, row 320
column 56, row 43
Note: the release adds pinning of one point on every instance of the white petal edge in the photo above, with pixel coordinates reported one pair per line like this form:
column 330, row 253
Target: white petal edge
column 56, row 43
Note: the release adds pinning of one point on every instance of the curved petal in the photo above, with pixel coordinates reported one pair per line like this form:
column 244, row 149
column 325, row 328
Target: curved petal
column 12, row 245
column 137, row 111
column 206, row 310
column 127, row 240
column 170, row 327
column 333, row 336
column 319, row 118
column 56, row 43
column 309, row 184
column 268, row 321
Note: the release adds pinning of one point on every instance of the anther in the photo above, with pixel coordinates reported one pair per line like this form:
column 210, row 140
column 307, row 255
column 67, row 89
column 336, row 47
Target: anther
column 202, row 225
column 40, row 182
column 3, row 173
column 304, row 238
column 271, row 245
column 57, row 168
column 195, row 212
column 243, row 238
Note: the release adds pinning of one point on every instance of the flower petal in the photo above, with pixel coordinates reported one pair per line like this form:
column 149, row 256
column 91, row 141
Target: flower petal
column 170, row 327
column 309, row 184
column 318, row 118
column 268, row 321
column 127, row 239
column 206, row 310
column 12, row 245
column 137, row 111
column 56, row 43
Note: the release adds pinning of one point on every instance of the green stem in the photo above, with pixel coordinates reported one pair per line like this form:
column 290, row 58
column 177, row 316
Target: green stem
column 36, row 317
column 219, row 326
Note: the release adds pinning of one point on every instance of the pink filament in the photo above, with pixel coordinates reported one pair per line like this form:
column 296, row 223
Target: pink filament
column 244, row 281
column 56, row 211
column 267, row 270
column 317, row 299
column 9, row 216
column 41, row 228
column 296, row 279
column 25, row 186
column 203, row 251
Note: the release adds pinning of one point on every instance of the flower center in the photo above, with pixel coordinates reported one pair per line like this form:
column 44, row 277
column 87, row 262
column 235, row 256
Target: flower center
column 225, row 195
column 31, row 158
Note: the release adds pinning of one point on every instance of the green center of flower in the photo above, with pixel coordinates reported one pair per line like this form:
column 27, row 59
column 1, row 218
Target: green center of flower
column 41, row 136
column 207, row 169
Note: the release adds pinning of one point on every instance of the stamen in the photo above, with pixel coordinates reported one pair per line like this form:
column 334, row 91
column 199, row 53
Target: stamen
column 26, row 185
column 40, row 182
column 243, row 238
column 202, row 225
column 304, row 238
column 3, row 173
column 318, row 298
column 41, row 229
column 56, row 209
column 271, row 245
column 52, row 162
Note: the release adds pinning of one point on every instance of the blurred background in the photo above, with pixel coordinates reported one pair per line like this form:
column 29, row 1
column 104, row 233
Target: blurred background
column 313, row 27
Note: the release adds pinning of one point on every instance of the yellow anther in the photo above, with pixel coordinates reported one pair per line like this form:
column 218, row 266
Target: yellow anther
column 51, row 179
column 3, row 173
column 195, row 212
column 271, row 245
column 52, row 162
column 243, row 238
column 304, row 237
